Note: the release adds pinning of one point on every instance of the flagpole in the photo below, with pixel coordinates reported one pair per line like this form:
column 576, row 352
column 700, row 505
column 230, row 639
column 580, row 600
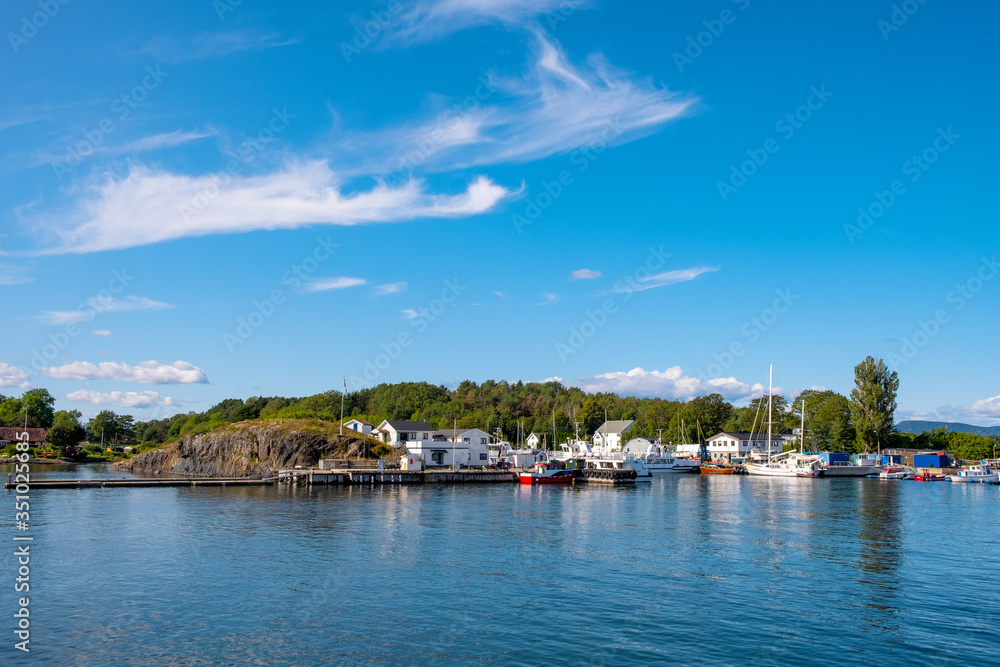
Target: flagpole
column 342, row 407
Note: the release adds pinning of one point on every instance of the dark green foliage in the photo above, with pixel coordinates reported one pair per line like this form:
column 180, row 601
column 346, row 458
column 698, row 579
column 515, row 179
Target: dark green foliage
column 873, row 403
column 35, row 404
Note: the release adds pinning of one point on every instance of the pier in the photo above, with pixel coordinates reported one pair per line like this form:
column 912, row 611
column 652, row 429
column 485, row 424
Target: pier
column 140, row 482
column 374, row 477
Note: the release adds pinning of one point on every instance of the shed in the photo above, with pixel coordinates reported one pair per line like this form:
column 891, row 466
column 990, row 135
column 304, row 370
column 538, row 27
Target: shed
column 411, row 462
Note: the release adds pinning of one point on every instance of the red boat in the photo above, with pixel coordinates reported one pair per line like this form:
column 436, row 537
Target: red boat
column 548, row 472
column 927, row 477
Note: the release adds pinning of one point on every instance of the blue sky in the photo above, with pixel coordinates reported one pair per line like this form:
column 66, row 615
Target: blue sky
column 207, row 200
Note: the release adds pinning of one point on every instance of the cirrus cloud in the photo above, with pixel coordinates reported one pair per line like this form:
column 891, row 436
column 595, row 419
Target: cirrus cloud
column 585, row 274
column 146, row 372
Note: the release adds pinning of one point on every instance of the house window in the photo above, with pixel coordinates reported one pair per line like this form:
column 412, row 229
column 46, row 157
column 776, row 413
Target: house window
column 466, row 440
column 483, row 457
column 482, row 441
column 425, row 436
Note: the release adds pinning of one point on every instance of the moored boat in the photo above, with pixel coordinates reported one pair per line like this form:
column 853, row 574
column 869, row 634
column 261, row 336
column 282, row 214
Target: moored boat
column 928, row 477
column 893, row 472
column 977, row 474
column 716, row 469
column 548, row 472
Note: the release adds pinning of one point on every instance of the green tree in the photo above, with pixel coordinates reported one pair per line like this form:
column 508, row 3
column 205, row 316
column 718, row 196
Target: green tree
column 591, row 416
column 873, row 403
column 38, row 404
column 63, row 435
column 10, row 413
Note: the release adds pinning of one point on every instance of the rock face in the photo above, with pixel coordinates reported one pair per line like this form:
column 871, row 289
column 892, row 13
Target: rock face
column 247, row 449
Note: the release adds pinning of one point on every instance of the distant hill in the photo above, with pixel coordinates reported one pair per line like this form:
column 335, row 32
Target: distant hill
column 917, row 427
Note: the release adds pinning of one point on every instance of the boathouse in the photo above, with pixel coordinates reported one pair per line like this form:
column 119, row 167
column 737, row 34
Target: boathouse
column 359, row 425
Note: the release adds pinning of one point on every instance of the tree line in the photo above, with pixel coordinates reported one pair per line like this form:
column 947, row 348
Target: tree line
column 860, row 422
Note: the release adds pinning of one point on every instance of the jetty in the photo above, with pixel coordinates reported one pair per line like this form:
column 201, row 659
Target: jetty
column 97, row 483
column 379, row 477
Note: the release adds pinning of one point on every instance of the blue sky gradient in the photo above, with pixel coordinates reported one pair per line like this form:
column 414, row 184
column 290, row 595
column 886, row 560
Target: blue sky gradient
column 208, row 200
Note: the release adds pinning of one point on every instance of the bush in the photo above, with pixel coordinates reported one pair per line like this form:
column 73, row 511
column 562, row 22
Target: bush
column 382, row 450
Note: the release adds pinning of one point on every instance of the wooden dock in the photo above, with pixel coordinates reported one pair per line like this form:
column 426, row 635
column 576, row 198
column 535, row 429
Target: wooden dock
column 375, row 477
column 141, row 482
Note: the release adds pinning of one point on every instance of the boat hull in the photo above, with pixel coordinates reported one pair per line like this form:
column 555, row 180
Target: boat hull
column 535, row 478
column 764, row 471
column 717, row 470
column 851, row 471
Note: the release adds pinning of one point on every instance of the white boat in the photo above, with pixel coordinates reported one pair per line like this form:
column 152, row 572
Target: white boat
column 981, row 474
column 658, row 458
column 863, row 465
column 603, row 459
column 894, row 472
column 786, row 464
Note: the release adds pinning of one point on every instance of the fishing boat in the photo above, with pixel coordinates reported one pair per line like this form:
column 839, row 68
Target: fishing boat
column 928, row 477
column 862, row 465
column 894, row 472
column 977, row 474
column 548, row 472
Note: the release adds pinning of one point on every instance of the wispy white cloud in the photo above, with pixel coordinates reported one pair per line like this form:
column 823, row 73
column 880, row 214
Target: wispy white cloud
column 498, row 293
column 409, row 314
column 122, row 399
column 136, row 146
column 145, row 206
column 13, row 275
column 212, row 45
column 102, row 304
column 327, row 284
column 391, row 288
column 548, row 298
column 665, row 278
column 147, row 372
column 984, row 412
column 427, row 20
column 101, row 332
column 12, row 376
column 557, row 107
column 671, row 383
column 585, row 274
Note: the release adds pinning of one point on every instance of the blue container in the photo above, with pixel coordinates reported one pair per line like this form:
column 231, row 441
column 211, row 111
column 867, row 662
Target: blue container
column 930, row 460
column 836, row 458
column 890, row 459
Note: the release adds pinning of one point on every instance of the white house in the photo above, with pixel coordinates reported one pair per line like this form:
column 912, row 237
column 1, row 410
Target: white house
column 411, row 462
column 609, row 435
column 359, row 425
column 727, row 446
column 533, row 441
column 469, row 447
column 403, row 433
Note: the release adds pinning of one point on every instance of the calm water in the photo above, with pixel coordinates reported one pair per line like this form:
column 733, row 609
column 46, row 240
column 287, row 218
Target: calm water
column 688, row 570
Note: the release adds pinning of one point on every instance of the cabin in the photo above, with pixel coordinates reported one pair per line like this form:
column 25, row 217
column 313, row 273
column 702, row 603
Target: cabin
column 359, row 425
column 411, row 462
column 609, row 435
column 737, row 444
column 35, row 436
column 533, row 441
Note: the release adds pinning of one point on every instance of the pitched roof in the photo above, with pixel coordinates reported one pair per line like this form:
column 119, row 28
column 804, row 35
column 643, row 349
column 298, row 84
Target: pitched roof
column 34, row 434
column 616, row 426
column 744, row 435
column 410, row 426
column 360, row 421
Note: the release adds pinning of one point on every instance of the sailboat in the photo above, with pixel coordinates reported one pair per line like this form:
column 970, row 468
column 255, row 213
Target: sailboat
column 787, row 464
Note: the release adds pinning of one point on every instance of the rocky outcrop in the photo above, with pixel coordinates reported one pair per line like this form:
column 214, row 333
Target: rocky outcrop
column 248, row 449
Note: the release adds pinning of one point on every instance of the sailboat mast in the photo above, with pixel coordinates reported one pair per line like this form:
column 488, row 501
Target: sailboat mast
column 802, row 435
column 770, row 385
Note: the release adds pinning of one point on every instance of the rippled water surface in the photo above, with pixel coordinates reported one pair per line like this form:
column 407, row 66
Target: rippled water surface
column 688, row 569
